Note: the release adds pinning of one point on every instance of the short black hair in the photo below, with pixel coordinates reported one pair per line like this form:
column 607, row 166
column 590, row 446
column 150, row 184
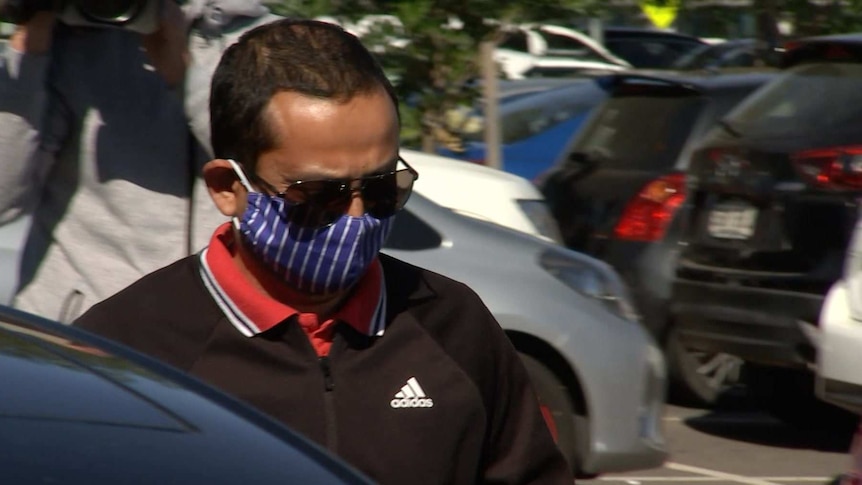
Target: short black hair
column 304, row 56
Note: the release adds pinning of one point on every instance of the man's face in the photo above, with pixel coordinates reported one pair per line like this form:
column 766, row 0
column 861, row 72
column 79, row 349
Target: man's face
column 325, row 139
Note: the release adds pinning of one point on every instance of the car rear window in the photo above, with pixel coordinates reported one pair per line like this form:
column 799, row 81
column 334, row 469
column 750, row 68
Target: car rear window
column 526, row 116
column 821, row 52
column 643, row 132
column 806, row 97
column 650, row 53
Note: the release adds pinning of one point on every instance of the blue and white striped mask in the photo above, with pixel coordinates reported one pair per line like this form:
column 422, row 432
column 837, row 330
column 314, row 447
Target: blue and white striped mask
column 312, row 260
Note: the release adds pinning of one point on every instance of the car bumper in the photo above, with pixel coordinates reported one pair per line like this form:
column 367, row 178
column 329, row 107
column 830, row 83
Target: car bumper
column 839, row 358
column 621, row 373
column 770, row 327
column 628, row 436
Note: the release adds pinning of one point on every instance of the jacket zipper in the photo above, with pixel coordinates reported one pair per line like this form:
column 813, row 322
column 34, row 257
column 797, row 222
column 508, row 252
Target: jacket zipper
column 329, row 404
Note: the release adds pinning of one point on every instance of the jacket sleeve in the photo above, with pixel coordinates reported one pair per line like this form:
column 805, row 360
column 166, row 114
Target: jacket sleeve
column 521, row 449
column 25, row 117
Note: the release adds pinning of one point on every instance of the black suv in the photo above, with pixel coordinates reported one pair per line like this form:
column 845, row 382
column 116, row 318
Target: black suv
column 774, row 192
column 618, row 188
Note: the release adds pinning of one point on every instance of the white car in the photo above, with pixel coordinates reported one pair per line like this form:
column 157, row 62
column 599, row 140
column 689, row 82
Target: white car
column 547, row 40
column 839, row 353
column 483, row 193
column 518, row 65
column 544, row 50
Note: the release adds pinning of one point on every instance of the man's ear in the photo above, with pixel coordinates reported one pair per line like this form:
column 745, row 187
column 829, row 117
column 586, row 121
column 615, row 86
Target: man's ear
column 224, row 187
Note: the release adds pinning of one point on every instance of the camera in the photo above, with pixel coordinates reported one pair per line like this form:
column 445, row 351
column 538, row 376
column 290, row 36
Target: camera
column 136, row 15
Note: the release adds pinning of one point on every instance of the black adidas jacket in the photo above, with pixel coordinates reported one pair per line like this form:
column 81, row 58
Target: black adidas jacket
column 478, row 421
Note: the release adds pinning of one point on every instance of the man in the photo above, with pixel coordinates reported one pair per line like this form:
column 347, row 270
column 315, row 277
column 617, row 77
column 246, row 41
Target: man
column 400, row 371
column 96, row 145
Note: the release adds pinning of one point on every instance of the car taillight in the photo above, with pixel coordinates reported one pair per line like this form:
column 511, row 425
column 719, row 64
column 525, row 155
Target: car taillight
column 647, row 215
column 833, row 167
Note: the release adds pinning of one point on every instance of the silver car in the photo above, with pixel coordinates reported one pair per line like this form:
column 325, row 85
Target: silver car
column 599, row 375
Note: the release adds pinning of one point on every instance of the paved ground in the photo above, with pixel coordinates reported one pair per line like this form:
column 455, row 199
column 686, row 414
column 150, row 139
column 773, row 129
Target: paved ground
column 738, row 445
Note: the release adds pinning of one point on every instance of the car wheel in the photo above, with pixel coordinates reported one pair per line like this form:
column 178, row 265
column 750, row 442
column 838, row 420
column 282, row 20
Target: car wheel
column 698, row 378
column 569, row 429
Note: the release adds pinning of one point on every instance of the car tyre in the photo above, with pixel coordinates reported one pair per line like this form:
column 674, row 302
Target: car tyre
column 570, row 428
column 698, row 378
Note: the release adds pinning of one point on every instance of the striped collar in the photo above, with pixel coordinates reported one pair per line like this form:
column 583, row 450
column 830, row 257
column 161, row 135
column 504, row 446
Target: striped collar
column 252, row 311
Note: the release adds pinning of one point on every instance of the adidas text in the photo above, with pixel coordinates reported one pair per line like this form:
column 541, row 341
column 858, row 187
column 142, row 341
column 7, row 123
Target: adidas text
column 412, row 402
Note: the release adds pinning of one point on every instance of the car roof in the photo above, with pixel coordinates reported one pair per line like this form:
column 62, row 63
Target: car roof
column 77, row 408
column 854, row 38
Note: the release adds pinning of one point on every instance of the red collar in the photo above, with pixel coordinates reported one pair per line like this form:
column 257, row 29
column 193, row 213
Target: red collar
column 252, row 311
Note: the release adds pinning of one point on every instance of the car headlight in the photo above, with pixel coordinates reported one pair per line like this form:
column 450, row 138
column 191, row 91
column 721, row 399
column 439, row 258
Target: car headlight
column 590, row 278
column 538, row 213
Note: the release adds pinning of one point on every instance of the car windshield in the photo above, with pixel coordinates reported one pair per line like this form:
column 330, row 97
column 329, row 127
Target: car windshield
column 525, row 116
column 811, row 96
column 639, row 132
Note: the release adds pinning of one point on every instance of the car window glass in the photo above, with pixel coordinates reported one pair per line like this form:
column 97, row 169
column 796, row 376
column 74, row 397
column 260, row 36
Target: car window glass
column 562, row 45
column 639, row 132
column 819, row 52
column 807, row 97
column 531, row 115
column 516, row 41
column 650, row 53
column 724, row 101
column 411, row 233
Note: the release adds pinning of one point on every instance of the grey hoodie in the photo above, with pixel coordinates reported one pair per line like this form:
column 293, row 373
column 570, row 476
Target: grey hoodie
column 97, row 148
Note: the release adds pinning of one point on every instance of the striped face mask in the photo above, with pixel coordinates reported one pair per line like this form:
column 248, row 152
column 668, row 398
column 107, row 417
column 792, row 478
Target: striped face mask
column 316, row 260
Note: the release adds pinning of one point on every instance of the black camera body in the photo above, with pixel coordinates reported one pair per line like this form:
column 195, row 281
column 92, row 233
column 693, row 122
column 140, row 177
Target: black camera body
column 136, row 15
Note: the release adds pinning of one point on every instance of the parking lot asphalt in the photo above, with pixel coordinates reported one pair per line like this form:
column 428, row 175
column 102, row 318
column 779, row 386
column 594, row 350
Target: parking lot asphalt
column 738, row 444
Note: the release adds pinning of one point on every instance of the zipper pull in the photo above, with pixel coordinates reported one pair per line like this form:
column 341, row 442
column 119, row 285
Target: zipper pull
column 327, row 373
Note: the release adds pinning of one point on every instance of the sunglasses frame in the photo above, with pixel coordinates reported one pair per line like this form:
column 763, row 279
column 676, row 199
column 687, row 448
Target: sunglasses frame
column 346, row 184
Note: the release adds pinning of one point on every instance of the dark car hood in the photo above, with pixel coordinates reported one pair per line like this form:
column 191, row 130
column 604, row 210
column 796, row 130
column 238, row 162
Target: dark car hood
column 78, row 409
column 93, row 387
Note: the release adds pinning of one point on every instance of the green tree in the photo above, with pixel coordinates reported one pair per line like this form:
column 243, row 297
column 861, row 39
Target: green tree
column 434, row 71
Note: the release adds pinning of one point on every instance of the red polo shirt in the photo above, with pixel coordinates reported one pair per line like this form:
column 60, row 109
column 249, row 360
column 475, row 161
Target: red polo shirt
column 252, row 311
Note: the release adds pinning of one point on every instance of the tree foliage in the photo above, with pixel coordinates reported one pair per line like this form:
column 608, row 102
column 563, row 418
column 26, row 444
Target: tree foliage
column 437, row 69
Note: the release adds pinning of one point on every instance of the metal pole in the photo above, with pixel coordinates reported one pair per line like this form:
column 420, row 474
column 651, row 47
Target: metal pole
column 493, row 154
column 597, row 32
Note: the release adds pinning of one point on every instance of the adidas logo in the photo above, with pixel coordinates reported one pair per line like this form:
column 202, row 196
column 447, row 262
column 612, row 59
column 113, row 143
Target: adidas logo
column 411, row 396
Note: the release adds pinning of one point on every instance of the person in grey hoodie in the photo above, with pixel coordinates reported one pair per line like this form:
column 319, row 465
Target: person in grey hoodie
column 103, row 132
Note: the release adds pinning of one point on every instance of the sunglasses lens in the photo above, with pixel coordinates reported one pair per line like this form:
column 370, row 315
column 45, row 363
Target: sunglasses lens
column 317, row 203
column 386, row 195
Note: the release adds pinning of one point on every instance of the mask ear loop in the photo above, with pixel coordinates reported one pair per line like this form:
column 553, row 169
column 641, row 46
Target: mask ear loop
column 245, row 183
column 241, row 174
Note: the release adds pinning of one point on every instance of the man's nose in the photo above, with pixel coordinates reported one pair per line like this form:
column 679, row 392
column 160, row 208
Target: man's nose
column 357, row 206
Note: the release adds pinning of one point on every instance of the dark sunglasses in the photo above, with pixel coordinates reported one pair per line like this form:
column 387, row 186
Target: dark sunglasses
column 318, row 203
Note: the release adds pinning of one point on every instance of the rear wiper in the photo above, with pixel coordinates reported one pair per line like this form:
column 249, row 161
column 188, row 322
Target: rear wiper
column 590, row 157
column 580, row 163
column 581, row 158
column 729, row 128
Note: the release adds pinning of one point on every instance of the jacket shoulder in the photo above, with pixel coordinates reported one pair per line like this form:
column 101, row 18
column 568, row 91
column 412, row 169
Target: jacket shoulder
column 449, row 311
column 166, row 314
